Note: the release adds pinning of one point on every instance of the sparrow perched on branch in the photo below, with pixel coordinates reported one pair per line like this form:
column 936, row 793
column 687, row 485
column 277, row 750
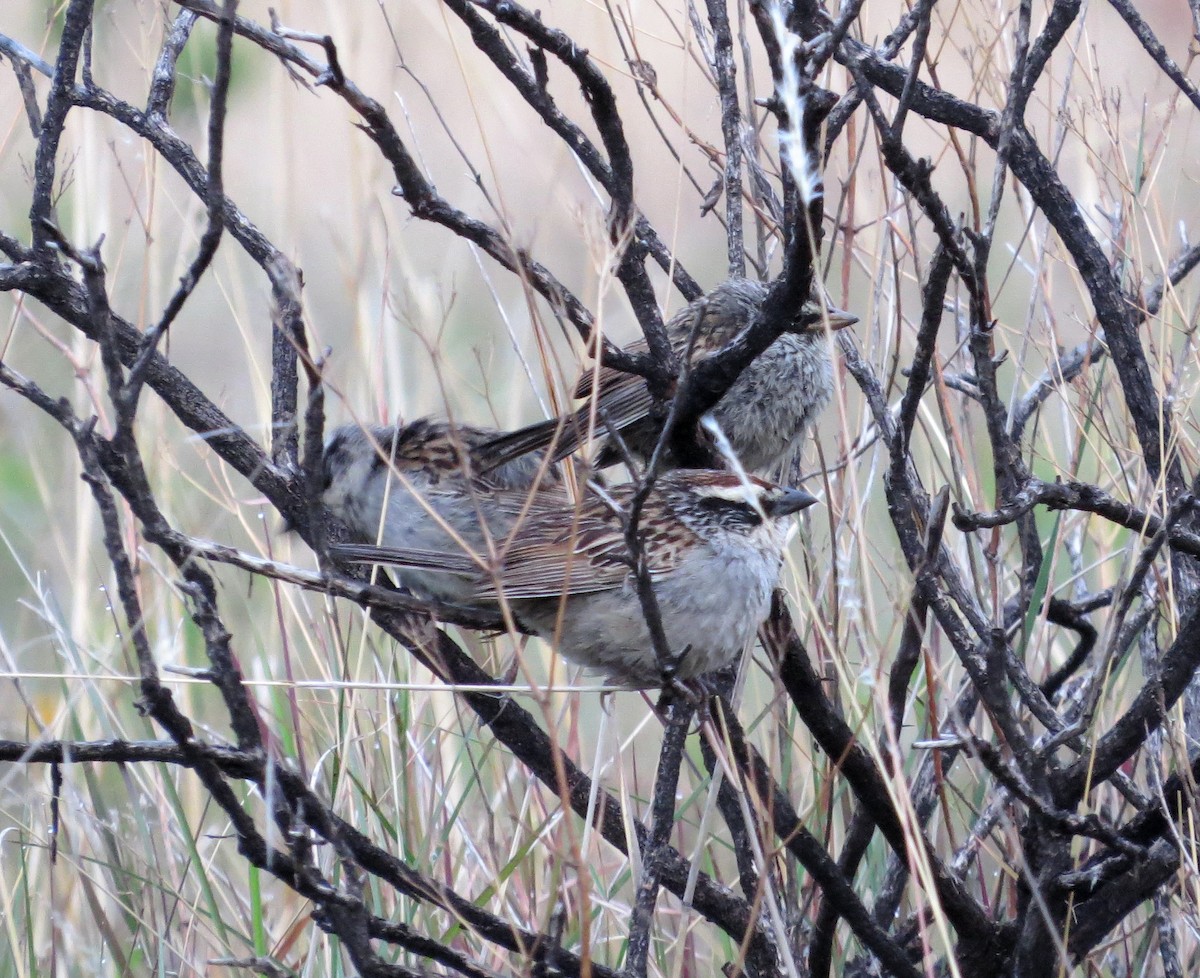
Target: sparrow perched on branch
column 764, row 414
column 712, row 543
column 417, row 486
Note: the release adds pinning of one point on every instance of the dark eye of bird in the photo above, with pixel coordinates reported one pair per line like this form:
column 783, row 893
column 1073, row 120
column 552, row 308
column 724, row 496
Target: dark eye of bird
column 730, row 510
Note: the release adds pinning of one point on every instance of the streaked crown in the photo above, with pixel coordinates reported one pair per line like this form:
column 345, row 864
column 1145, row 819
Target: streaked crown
column 729, row 501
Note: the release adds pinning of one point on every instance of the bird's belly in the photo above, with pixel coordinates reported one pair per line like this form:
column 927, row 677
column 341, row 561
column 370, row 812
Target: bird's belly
column 717, row 615
column 454, row 529
column 775, row 400
column 708, row 618
column 443, row 522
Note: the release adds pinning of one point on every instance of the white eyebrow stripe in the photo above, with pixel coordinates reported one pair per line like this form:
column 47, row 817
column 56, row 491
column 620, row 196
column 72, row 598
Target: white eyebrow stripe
column 737, row 493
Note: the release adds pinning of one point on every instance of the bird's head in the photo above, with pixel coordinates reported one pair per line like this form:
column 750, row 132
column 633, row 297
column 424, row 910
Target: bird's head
column 817, row 316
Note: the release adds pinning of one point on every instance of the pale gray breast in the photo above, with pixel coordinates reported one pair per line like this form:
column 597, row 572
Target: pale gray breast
column 444, row 518
column 713, row 599
column 416, row 514
column 777, row 398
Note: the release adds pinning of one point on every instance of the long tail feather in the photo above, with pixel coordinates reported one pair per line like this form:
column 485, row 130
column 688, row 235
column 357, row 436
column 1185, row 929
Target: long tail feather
column 558, row 434
column 427, row 560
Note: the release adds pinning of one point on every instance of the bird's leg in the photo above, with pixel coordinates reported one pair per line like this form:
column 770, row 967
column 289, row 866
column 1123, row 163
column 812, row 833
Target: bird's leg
column 679, row 695
column 671, row 683
column 694, row 692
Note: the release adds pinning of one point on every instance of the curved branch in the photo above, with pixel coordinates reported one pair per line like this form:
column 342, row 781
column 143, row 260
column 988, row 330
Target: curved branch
column 1083, row 497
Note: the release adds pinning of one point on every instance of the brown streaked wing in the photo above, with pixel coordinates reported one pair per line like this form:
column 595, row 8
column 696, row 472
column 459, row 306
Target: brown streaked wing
column 544, row 499
column 578, row 559
column 590, row 557
column 625, row 397
column 625, row 401
column 679, row 333
column 608, row 376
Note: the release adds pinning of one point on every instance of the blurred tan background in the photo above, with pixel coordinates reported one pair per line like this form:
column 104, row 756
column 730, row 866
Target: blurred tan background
column 418, row 322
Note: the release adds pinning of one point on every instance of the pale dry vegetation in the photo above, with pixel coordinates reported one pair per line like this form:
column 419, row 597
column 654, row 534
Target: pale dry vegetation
column 968, row 741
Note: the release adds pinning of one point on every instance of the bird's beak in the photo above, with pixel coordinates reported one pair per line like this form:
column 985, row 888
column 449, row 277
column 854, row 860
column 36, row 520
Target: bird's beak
column 823, row 316
column 792, row 501
column 835, row 319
